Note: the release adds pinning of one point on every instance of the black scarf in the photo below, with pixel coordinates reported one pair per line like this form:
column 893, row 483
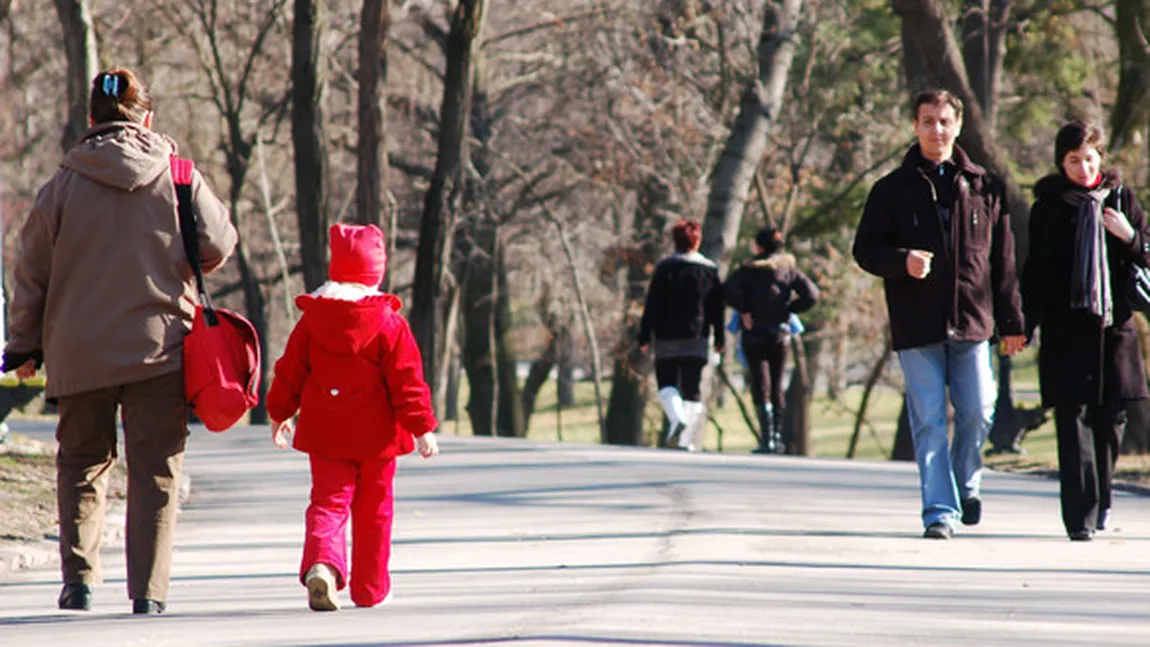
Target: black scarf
column 1090, row 278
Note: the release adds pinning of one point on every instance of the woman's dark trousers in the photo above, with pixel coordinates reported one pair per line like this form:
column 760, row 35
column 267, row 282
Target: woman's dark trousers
column 766, row 358
column 1089, row 437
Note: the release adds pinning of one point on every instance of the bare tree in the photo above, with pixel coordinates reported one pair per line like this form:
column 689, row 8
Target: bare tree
column 371, row 160
column 80, row 47
column 1130, row 107
column 761, row 102
column 438, row 222
column 308, row 139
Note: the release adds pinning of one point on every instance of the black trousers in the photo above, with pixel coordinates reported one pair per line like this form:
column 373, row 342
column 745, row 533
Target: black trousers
column 766, row 358
column 683, row 373
column 1089, row 437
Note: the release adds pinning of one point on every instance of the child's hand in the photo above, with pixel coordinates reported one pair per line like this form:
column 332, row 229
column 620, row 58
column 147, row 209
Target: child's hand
column 427, row 444
column 281, row 433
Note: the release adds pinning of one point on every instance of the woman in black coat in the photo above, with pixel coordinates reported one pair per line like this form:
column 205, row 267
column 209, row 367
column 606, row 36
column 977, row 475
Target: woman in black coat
column 1086, row 230
column 767, row 290
column 684, row 308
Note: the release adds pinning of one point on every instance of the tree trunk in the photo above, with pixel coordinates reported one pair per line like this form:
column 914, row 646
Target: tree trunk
column 308, row 142
column 761, row 102
column 509, row 420
column 925, row 23
column 537, row 375
column 983, row 49
column 81, row 49
column 903, row 449
column 371, row 162
column 437, row 225
column 1133, row 21
column 477, row 308
column 628, row 399
column 796, row 417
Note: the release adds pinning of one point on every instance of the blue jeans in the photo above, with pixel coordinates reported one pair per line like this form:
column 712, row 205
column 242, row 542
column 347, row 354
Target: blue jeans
column 948, row 471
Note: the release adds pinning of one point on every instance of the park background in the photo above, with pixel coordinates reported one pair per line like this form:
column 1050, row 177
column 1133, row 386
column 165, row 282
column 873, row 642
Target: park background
column 526, row 158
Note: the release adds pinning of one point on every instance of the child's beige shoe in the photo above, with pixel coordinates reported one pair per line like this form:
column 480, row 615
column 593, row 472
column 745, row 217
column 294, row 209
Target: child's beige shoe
column 321, row 587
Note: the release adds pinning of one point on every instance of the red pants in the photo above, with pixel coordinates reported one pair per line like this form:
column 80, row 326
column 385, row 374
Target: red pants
column 363, row 490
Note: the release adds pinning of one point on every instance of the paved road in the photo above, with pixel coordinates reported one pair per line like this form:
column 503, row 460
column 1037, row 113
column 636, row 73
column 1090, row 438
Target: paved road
column 502, row 542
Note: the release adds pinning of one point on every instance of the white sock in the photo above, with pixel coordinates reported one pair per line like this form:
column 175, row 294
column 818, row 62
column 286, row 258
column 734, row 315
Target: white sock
column 672, row 402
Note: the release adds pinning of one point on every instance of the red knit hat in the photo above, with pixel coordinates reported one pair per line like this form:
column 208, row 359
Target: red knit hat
column 358, row 254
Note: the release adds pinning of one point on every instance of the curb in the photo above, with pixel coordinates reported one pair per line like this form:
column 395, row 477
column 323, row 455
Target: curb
column 17, row 556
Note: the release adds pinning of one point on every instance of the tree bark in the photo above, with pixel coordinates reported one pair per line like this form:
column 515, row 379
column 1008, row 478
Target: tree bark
column 628, row 398
column 308, row 142
column 925, row 23
column 983, row 49
column 509, row 420
column 437, row 225
column 758, row 110
column 371, row 160
column 1130, row 106
column 903, row 449
column 81, row 49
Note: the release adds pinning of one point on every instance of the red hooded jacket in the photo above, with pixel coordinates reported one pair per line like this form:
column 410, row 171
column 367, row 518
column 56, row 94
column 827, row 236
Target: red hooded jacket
column 354, row 373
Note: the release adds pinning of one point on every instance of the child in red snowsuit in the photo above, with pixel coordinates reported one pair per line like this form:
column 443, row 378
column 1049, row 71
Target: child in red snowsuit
column 353, row 372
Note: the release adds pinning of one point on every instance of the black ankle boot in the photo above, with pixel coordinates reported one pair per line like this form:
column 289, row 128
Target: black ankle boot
column 767, row 436
column 75, row 597
column 148, row 607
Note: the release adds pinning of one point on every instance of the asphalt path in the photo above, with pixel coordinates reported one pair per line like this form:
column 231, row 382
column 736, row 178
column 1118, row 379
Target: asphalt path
column 509, row 542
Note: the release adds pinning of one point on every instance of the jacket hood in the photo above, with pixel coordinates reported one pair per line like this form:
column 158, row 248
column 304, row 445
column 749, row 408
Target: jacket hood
column 121, row 154
column 1057, row 183
column 913, row 159
column 346, row 317
column 773, row 261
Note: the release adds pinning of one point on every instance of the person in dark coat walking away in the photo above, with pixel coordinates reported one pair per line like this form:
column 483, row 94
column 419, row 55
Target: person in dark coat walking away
column 937, row 231
column 353, row 372
column 768, row 290
column 1086, row 230
column 103, row 293
column 684, row 309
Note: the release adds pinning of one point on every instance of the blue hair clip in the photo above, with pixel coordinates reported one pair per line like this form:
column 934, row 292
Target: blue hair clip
column 112, row 85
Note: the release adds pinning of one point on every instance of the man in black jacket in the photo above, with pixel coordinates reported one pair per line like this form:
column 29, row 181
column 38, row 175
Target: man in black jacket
column 937, row 231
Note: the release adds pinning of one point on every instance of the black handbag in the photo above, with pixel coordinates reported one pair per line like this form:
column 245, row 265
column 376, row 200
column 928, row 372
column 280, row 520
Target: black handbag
column 1138, row 279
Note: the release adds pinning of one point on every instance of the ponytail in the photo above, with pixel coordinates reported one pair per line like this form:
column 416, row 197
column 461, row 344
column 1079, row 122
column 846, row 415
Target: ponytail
column 117, row 95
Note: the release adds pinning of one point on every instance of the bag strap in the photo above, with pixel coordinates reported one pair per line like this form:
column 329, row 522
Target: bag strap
column 182, row 178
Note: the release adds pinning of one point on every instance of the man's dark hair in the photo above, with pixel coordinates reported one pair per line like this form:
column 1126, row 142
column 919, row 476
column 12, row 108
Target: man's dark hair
column 936, row 97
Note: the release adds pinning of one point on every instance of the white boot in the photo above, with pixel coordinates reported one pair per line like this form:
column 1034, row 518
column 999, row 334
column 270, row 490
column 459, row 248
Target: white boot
column 672, row 403
column 696, row 420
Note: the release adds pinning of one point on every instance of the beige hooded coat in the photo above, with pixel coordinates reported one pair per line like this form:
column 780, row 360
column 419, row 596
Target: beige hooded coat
column 102, row 284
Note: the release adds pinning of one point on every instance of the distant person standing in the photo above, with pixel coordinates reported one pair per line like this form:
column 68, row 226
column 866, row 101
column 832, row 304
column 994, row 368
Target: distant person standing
column 104, row 296
column 684, row 309
column 768, row 290
column 1086, row 230
column 937, row 231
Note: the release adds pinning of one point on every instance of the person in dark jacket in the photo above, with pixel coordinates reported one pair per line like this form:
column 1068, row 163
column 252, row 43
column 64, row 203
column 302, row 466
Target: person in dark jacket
column 684, row 309
column 1086, row 229
column 937, row 231
column 767, row 290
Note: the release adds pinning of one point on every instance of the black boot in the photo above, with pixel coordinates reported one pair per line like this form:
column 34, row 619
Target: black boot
column 767, row 436
column 780, row 440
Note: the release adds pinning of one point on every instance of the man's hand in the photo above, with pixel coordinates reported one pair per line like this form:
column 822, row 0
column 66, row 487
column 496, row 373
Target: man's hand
column 1013, row 344
column 282, row 432
column 918, row 263
column 427, row 445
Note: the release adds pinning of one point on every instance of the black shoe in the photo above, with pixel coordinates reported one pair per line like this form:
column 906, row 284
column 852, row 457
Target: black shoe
column 676, row 429
column 971, row 511
column 76, row 597
column 1103, row 517
column 937, row 531
column 1082, row 535
column 148, row 607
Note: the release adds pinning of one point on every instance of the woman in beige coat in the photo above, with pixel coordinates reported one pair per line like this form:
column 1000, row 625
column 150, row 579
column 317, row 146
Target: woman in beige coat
column 103, row 296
